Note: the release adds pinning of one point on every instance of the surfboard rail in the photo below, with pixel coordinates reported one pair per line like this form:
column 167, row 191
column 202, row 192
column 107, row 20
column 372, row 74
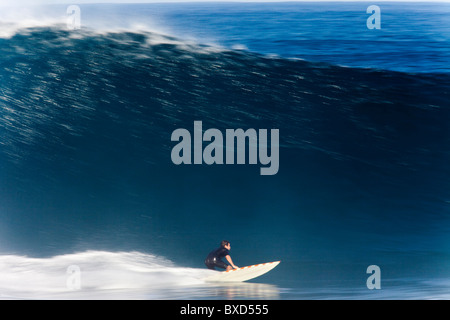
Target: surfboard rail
column 243, row 273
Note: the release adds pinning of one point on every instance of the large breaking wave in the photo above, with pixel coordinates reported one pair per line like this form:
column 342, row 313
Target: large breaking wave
column 85, row 124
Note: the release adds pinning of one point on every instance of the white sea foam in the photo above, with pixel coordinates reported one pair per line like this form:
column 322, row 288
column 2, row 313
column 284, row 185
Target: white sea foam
column 100, row 275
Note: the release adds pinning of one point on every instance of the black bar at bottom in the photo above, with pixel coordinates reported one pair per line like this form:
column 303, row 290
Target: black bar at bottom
column 240, row 309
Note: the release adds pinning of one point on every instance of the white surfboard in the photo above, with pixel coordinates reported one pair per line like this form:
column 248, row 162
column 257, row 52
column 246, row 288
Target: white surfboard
column 244, row 273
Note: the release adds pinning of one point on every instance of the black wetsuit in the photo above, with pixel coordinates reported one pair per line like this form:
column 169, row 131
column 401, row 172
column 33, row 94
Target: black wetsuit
column 214, row 258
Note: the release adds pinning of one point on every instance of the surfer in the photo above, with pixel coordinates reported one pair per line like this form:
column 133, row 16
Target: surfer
column 214, row 258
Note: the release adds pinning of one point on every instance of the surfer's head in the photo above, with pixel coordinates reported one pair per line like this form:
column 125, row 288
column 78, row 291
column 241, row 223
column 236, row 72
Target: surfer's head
column 225, row 244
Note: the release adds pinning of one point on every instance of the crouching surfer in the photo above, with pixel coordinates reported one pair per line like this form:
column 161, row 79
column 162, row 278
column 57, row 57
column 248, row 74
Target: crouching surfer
column 214, row 258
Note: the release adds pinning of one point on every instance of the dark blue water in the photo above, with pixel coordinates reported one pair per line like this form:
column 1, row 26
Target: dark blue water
column 86, row 175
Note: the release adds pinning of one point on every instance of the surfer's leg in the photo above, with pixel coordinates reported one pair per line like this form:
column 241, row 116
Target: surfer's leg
column 209, row 264
column 222, row 265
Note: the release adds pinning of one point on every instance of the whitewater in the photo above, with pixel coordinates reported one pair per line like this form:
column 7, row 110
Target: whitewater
column 98, row 274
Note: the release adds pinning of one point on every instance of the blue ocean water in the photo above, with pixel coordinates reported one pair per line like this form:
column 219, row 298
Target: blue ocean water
column 86, row 176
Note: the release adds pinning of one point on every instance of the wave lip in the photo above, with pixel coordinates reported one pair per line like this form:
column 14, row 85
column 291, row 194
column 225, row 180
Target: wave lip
column 16, row 20
column 13, row 19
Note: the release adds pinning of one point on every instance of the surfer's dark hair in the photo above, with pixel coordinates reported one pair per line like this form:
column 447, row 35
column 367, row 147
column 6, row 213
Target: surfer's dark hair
column 224, row 243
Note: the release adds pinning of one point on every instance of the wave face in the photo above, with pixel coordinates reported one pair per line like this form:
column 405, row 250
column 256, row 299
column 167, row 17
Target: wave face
column 86, row 120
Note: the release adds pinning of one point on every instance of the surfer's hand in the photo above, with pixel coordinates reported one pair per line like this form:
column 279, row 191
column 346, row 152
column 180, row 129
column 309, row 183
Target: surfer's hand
column 236, row 267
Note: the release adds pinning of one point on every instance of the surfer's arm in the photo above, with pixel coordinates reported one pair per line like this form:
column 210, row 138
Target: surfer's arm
column 230, row 261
